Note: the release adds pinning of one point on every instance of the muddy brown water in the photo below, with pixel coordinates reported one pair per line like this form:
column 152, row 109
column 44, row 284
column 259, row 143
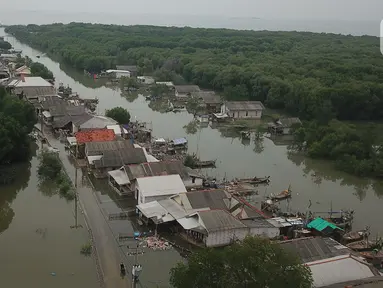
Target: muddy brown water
column 310, row 179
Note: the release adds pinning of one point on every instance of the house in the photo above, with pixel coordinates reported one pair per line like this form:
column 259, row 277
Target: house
column 185, row 91
column 118, row 130
column 31, row 88
column 9, row 57
column 94, row 122
column 59, row 114
column 331, row 263
column 243, row 109
column 147, row 80
column 283, row 126
column 169, row 84
column 149, row 169
column 323, row 227
column 98, row 148
column 23, row 70
column 111, row 160
column 213, row 228
column 95, row 136
column 119, row 73
column 157, row 188
column 211, row 101
column 131, row 68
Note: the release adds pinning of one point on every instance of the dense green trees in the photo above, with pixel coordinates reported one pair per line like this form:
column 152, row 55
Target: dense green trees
column 255, row 263
column 354, row 150
column 17, row 119
column 38, row 69
column 119, row 114
column 5, row 45
column 310, row 75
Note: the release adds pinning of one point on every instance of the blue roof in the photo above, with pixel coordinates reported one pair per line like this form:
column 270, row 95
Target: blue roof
column 180, row 141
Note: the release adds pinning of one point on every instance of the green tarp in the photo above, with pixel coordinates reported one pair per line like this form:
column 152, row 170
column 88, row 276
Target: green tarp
column 320, row 224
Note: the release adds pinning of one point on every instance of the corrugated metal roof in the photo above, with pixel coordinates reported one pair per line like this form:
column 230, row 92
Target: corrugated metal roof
column 157, row 169
column 257, row 223
column 119, row 176
column 95, row 135
column 180, row 141
column 320, row 224
column 339, row 269
column 97, row 122
column 218, row 220
column 173, row 208
column 244, row 105
column 213, row 199
column 33, row 82
column 189, row 222
column 97, row 148
column 153, row 210
column 121, row 157
column 187, row 88
column 161, row 185
column 315, row 248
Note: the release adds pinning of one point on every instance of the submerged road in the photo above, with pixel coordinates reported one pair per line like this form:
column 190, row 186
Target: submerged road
column 109, row 255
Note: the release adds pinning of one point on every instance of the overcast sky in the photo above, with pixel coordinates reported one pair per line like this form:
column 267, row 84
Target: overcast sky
column 280, row 9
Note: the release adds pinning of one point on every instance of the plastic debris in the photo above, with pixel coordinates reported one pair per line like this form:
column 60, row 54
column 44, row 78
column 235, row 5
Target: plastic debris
column 156, row 243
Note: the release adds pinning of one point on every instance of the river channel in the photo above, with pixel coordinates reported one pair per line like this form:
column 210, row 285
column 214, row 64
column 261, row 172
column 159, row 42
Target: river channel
column 310, row 179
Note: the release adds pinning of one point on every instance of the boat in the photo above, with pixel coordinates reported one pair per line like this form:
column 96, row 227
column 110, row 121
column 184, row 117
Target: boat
column 344, row 221
column 354, row 236
column 285, row 194
column 255, row 180
column 205, row 164
column 374, row 257
column 365, row 245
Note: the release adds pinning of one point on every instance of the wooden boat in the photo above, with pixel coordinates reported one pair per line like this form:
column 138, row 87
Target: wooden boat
column 365, row 245
column 354, row 236
column 255, row 180
column 282, row 196
column 344, row 221
column 205, row 164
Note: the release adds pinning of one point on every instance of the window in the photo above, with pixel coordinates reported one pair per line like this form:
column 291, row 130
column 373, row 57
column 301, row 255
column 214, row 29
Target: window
column 193, row 180
column 247, row 113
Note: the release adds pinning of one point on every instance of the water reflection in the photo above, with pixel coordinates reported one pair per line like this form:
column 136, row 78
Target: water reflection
column 322, row 170
column 9, row 192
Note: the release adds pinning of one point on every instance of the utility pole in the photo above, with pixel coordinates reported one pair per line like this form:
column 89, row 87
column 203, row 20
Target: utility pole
column 137, row 268
column 75, row 193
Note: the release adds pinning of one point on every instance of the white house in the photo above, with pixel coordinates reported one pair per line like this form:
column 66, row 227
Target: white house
column 119, row 73
column 32, row 87
column 157, row 188
column 243, row 109
column 330, row 262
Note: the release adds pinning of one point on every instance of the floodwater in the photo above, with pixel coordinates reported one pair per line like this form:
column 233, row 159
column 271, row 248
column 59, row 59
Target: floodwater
column 37, row 246
column 310, row 179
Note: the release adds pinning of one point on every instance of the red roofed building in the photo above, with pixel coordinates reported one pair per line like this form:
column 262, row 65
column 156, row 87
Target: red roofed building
column 95, row 135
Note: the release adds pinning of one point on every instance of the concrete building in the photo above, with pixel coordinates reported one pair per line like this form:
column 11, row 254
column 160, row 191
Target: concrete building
column 190, row 178
column 185, row 91
column 131, row 68
column 119, row 73
column 31, row 88
column 157, row 188
column 243, row 109
column 331, row 264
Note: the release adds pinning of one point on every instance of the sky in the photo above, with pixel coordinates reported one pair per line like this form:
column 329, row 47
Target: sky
column 270, row 9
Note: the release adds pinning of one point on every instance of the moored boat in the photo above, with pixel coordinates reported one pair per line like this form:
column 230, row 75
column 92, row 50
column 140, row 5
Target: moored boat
column 285, row 194
column 354, row 236
column 205, row 164
column 365, row 245
column 255, row 180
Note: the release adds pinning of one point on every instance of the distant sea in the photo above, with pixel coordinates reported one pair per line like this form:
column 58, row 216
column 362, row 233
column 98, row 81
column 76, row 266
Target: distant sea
column 356, row 28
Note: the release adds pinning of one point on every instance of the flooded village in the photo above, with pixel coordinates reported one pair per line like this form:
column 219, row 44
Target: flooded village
column 151, row 189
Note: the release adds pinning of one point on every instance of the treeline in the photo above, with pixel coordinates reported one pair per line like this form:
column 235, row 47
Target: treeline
column 354, row 150
column 313, row 76
column 17, row 118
